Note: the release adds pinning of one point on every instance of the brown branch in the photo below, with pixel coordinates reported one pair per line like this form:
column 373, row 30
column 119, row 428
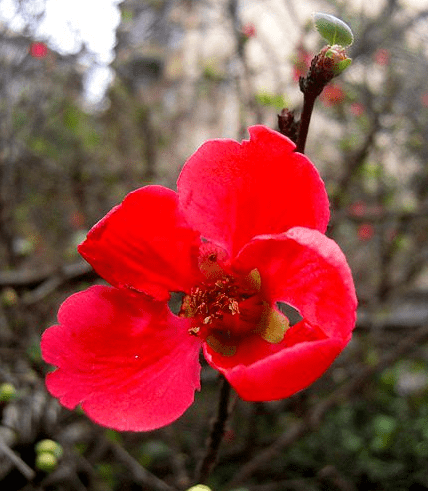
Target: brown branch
column 30, row 278
column 140, row 475
column 16, row 460
column 217, row 433
column 354, row 161
column 305, row 119
column 324, row 67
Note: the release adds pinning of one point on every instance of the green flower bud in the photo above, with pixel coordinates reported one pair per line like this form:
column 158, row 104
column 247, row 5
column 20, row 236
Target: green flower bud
column 7, row 392
column 333, row 30
column 47, row 462
column 49, row 446
column 199, row 487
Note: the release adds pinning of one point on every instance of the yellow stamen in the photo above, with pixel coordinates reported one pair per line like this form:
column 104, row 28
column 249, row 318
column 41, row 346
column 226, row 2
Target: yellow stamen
column 273, row 325
column 253, row 280
column 219, row 347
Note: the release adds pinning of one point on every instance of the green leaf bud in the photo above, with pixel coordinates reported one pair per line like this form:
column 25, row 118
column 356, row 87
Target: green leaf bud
column 333, row 30
column 342, row 65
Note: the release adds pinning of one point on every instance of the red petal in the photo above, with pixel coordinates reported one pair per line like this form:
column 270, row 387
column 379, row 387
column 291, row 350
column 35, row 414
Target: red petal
column 283, row 373
column 232, row 192
column 145, row 244
column 307, row 270
column 129, row 361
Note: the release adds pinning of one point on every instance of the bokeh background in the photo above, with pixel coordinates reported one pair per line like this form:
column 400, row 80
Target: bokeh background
column 84, row 121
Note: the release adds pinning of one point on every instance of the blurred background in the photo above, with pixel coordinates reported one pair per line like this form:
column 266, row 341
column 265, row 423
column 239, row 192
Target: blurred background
column 100, row 98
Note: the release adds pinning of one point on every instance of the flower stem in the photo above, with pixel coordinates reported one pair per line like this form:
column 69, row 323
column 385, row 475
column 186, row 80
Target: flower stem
column 217, row 433
column 324, row 67
column 305, row 119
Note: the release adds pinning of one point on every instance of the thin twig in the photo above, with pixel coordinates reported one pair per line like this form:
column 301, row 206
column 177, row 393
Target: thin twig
column 30, row 277
column 139, row 474
column 305, row 119
column 22, row 466
column 217, row 433
column 324, row 67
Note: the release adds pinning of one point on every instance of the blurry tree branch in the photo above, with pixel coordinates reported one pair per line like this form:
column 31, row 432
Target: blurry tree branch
column 38, row 284
column 140, row 475
column 217, row 433
column 31, row 277
column 23, row 467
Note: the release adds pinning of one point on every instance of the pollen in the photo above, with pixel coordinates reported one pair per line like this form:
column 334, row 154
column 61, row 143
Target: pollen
column 210, row 301
column 225, row 308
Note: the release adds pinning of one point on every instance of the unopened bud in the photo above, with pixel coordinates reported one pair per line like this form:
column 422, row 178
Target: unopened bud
column 49, row 446
column 332, row 60
column 7, row 392
column 46, row 461
column 338, row 58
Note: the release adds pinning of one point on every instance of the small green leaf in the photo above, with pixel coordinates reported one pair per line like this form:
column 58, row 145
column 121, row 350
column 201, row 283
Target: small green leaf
column 333, row 30
column 342, row 65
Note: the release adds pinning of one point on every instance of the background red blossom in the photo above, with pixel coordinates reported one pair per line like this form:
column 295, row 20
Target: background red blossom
column 38, row 50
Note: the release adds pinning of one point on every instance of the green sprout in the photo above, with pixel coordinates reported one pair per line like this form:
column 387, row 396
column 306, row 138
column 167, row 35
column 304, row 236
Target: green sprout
column 333, row 30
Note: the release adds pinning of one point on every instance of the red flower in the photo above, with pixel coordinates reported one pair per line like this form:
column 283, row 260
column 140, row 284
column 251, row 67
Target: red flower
column 332, row 95
column 365, row 232
column 382, row 56
column 301, row 62
column 38, row 50
column 358, row 208
column 243, row 232
column 357, row 109
column 249, row 30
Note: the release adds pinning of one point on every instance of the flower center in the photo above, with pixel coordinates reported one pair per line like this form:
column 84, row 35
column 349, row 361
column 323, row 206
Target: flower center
column 210, row 302
column 225, row 308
